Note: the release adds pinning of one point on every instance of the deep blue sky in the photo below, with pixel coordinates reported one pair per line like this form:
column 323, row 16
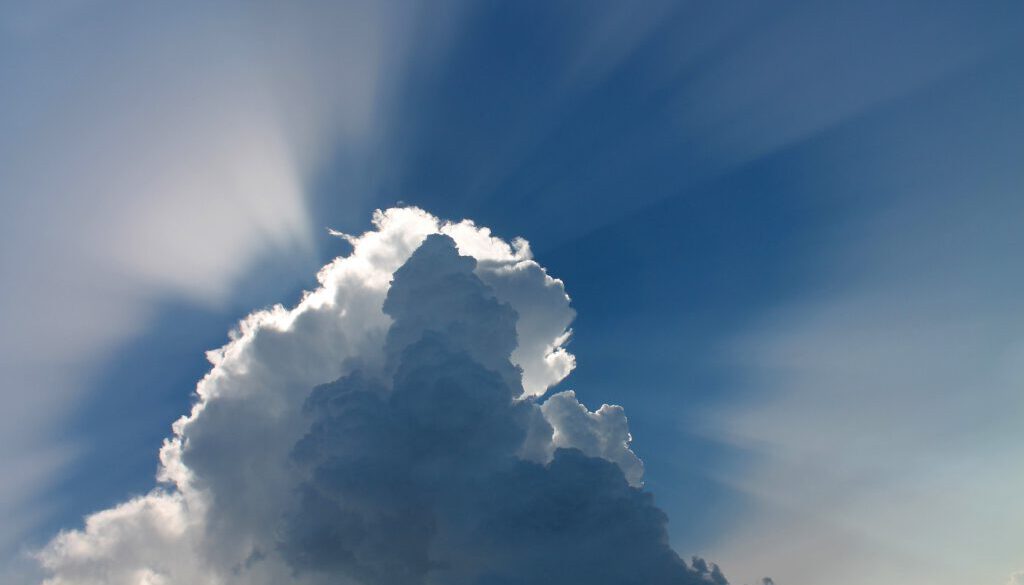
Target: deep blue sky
column 697, row 174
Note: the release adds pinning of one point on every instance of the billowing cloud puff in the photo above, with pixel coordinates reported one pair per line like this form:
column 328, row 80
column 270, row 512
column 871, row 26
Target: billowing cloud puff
column 604, row 433
column 391, row 429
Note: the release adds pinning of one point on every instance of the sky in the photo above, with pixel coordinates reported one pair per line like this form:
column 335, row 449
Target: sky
column 778, row 239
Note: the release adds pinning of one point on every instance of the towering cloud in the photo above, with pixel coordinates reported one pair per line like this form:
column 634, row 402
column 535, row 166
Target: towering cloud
column 392, row 430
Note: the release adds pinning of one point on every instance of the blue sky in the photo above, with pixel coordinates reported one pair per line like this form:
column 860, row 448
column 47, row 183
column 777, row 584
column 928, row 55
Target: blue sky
column 788, row 230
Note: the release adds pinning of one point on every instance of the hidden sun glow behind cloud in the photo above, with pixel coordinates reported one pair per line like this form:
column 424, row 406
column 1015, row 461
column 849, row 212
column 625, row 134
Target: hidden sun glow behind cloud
column 139, row 168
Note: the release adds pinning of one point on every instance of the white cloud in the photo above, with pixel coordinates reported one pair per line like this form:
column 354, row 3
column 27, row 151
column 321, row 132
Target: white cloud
column 604, row 433
column 229, row 511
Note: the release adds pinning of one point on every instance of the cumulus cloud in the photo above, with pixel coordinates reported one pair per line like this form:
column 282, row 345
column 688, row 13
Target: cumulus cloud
column 392, row 429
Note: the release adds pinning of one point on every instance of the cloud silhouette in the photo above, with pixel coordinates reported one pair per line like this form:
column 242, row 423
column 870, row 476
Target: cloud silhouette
column 392, row 430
